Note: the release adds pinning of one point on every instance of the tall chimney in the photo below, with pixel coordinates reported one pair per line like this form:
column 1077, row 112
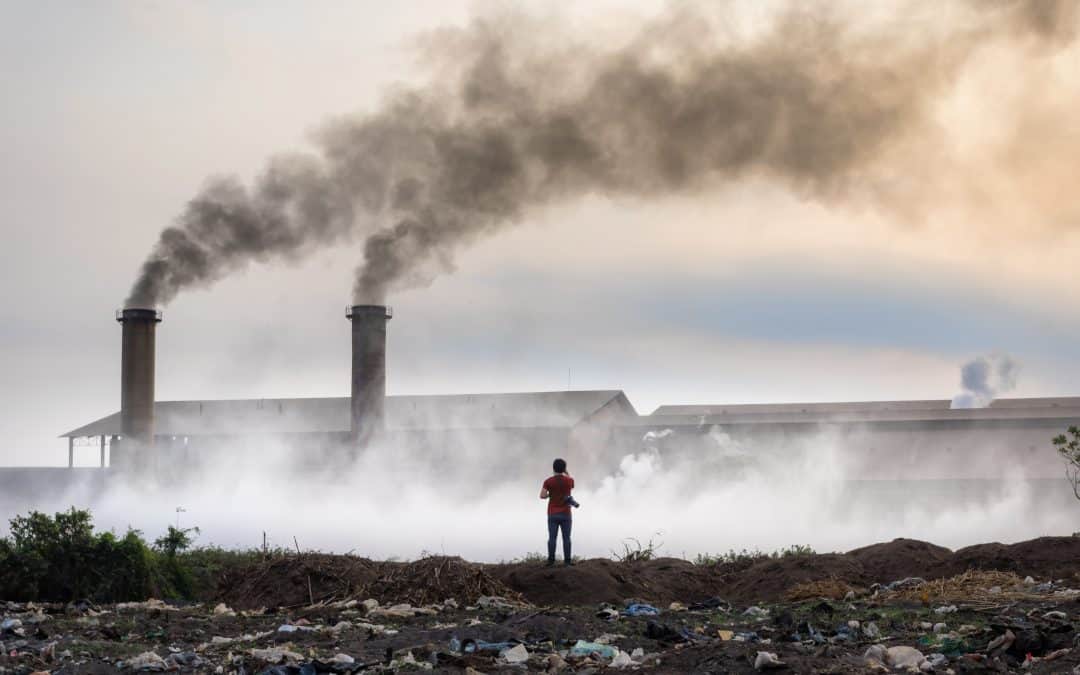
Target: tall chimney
column 368, row 371
column 137, row 385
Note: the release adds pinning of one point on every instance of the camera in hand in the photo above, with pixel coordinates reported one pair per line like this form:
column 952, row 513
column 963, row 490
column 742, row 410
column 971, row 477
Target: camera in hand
column 570, row 501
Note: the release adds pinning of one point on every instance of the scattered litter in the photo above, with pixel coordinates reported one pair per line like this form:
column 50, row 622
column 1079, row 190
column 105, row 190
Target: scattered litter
column 940, row 628
column 622, row 660
column 608, row 614
column 901, row 658
column 152, row 603
column 937, row 661
column 907, row 582
column 223, row 610
column 583, row 648
column 725, row 635
column 767, row 661
column 946, row 609
column 276, row 655
column 1002, row 642
column 497, row 602
column 641, row 609
column 676, row 607
column 471, row 646
column 147, row 661
column 400, row 611
column 516, row 654
column 756, row 612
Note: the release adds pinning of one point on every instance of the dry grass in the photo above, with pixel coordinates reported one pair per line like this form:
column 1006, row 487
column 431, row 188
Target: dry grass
column 973, row 585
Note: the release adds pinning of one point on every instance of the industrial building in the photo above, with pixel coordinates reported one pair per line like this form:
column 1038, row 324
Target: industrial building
column 889, row 440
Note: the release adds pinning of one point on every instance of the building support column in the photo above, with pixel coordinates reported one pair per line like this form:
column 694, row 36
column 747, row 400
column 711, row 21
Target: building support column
column 102, row 451
column 71, row 452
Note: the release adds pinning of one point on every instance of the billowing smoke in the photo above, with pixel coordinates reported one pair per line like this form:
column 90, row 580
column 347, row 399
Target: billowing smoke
column 815, row 102
column 985, row 378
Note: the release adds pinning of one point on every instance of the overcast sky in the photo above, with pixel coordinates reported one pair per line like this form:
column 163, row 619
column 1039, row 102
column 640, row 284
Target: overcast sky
column 114, row 114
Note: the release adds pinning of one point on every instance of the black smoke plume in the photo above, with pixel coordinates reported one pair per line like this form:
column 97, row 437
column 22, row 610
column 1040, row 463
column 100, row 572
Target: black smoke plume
column 521, row 118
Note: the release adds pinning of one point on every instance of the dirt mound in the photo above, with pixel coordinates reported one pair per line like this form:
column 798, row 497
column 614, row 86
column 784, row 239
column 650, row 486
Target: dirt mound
column 433, row 580
column 899, row 558
column 1043, row 558
column 833, row 589
column 292, row 581
column 596, row 581
column 769, row 579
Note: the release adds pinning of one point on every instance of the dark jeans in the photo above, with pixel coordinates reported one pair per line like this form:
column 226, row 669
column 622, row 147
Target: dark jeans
column 555, row 523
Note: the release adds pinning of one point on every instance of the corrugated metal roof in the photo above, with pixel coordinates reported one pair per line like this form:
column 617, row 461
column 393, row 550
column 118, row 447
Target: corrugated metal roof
column 865, row 411
column 554, row 409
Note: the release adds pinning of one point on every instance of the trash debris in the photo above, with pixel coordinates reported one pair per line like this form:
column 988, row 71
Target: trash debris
column 756, row 612
column 583, row 648
column 901, row 658
column 621, row 660
column 908, row 582
column 517, row 654
column 223, row 610
column 276, row 655
column 147, row 661
column 768, row 661
column 940, row 628
column 640, row 609
column 608, row 614
column 472, row 646
column 497, row 602
column 711, row 603
column 947, row 609
column 677, row 607
column 1002, row 642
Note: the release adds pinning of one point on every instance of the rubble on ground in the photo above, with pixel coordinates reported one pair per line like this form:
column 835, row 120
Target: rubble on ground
column 449, row 616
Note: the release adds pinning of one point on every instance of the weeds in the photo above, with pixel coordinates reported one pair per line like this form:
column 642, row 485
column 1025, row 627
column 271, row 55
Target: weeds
column 748, row 557
column 635, row 551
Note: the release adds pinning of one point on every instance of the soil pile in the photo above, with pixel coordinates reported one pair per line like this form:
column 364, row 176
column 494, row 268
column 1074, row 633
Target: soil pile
column 435, row 579
column 1042, row 558
column 290, row 581
column 308, row 578
column 296, row 580
column 599, row 580
column 900, row 558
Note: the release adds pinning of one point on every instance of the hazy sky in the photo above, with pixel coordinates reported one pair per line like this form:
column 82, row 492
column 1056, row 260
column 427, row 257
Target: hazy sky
column 114, row 114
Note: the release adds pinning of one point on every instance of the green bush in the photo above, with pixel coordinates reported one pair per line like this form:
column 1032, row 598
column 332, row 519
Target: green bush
column 60, row 558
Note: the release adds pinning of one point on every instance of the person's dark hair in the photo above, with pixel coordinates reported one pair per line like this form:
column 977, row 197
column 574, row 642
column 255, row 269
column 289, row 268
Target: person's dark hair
column 559, row 465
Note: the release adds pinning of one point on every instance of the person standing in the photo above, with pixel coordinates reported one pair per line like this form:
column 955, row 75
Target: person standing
column 557, row 491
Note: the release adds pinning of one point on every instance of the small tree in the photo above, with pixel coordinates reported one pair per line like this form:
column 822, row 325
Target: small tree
column 1068, row 445
column 175, row 540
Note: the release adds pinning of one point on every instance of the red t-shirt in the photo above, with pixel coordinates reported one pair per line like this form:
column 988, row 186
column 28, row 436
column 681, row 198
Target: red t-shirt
column 558, row 487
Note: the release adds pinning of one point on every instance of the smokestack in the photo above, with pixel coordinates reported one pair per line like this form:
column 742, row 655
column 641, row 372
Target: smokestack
column 368, row 371
column 137, row 383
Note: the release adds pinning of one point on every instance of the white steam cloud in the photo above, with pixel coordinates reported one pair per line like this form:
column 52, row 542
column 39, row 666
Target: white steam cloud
column 695, row 493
